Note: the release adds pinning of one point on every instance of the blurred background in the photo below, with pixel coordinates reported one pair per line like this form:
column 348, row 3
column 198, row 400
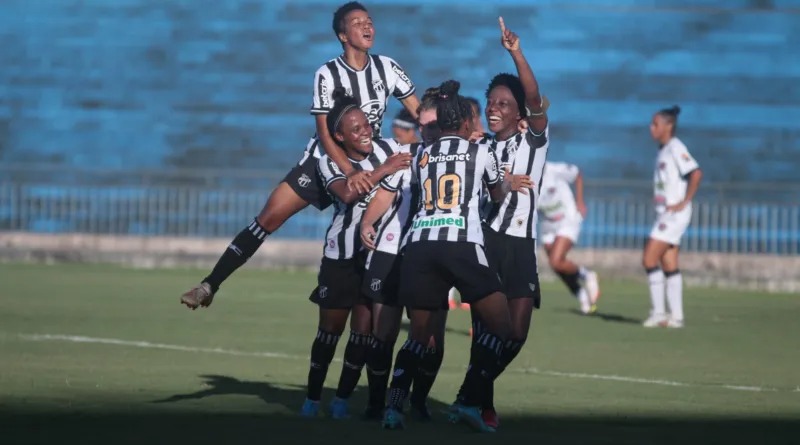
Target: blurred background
column 152, row 117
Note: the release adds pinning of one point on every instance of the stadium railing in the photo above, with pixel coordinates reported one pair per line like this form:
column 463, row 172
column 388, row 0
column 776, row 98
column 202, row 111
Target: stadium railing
column 727, row 218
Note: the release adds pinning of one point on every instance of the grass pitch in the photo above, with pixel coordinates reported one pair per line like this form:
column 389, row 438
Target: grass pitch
column 104, row 355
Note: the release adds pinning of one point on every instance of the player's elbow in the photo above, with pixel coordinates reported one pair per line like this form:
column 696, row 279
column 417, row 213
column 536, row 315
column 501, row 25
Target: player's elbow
column 696, row 175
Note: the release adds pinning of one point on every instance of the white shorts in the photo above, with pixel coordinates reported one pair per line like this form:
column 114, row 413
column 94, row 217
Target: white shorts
column 670, row 226
column 569, row 228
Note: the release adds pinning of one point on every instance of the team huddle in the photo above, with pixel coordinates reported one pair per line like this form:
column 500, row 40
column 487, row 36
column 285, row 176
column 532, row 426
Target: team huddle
column 411, row 221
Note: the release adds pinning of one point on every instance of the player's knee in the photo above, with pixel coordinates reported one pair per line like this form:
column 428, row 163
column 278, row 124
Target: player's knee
column 269, row 220
column 558, row 264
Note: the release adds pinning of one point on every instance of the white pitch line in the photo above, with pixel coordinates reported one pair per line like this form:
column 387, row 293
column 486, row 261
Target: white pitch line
column 234, row 352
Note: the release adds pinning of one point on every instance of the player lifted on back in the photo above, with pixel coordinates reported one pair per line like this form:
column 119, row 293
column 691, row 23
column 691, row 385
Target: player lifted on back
column 371, row 79
column 562, row 214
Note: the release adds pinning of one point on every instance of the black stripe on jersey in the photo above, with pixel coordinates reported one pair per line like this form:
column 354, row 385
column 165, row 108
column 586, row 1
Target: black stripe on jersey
column 433, row 173
column 396, row 205
column 469, row 180
column 337, row 81
column 381, row 70
column 514, row 201
column 537, row 141
column 449, row 169
column 387, row 151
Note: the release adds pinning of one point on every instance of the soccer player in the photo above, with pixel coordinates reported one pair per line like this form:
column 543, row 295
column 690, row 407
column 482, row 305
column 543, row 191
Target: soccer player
column 404, row 128
column 562, row 214
column 371, row 80
column 386, row 220
column 338, row 293
column 444, row 249
column 510, row 227
column 677, row 178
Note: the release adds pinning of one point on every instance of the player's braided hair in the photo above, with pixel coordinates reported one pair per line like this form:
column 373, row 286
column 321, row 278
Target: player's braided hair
column 341, row 13
column 452, row 110
column 342, row 105
column 671, row 115
column 513, row 83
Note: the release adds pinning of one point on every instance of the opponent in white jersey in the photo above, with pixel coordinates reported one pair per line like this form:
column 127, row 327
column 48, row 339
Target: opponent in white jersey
column 677, row 178
column 338, row 291
column 444, row 248
column 386, row 219
column 371, row 79
column 510, row 227
column 561, row 214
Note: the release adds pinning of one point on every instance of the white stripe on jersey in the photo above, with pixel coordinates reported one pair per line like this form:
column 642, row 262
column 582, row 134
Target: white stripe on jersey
column 371, row 87
column 448, row 175
column 342, row 239
column 523, row 154
column 394, row 224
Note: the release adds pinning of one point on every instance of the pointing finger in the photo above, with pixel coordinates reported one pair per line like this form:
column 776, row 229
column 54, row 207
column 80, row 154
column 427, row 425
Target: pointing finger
column 502, row 25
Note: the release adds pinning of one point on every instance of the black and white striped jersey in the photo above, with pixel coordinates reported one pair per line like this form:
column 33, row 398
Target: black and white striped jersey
column 371, row 87
column 523, row 154
column 343, row 238
column 449, row 175
column 396, row 221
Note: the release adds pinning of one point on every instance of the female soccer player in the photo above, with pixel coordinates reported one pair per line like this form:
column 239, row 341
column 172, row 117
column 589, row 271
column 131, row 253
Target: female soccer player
column 677, row 178
column 371, row 80
column 562, row 214
column 444, row 248
column 385, row 222
column 510, row 227
column 404, row 128
column 338, row 293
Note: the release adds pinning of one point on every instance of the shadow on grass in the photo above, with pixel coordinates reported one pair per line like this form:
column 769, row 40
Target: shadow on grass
column 206, row 427
column 605, row 316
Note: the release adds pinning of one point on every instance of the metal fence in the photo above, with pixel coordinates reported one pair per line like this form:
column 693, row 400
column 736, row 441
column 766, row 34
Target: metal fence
column 727, row 218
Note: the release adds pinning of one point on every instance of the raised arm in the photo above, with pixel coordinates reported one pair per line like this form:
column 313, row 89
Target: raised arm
column 537, row 117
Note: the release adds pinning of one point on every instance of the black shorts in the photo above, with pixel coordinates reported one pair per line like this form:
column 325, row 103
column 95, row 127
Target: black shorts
column 431, row 268
column 514, row 260
column 339, row 283
column 305, row 181
column 382, row 278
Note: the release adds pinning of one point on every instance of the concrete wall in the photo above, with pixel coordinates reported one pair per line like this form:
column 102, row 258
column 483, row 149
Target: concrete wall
column 757, row 272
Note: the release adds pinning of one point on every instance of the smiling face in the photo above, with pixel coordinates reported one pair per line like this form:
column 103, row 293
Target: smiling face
column 358, row 30
column 502, row 111
column 355, row 134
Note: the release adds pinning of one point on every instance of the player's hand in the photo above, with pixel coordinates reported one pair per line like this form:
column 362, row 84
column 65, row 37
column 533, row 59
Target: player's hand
column 509, row 40
column 398, row 161
column 368, row 237
column 475, row 136
column 360, row 182
column 674, row 208
column 582, row 208
column 519, row 183
column 522, row 125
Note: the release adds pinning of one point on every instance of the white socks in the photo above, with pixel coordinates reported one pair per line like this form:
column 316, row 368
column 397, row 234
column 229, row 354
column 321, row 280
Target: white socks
column 656, row 279
column 675, row 294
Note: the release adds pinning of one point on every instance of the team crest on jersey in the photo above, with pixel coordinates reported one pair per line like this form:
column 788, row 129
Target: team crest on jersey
column 322, row 292
column 375, row 285
column 662, row 165
column 423, row 161
column 377, row 85
column 551, row 190
column 303, row 181
column 331, row 244
column 511, row 149
column 389, row 236
column 662, row 227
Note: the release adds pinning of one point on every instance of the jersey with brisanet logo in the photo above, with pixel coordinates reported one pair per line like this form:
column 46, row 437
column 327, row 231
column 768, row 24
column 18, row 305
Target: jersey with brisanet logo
column 397, row 220
column 448, row 175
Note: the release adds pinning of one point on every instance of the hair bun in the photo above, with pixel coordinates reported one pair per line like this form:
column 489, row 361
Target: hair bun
column 449, row 88
column 676, row 110
column 338, row 93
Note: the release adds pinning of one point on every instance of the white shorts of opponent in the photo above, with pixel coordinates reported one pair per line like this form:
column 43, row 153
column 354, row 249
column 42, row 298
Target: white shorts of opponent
column 569, row 228
column 670, row 226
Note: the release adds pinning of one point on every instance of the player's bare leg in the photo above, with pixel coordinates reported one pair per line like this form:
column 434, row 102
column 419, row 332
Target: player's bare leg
column 581, row 282
column 654, row 251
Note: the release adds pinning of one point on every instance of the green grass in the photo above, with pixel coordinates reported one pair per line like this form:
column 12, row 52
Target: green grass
column 574, row 381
